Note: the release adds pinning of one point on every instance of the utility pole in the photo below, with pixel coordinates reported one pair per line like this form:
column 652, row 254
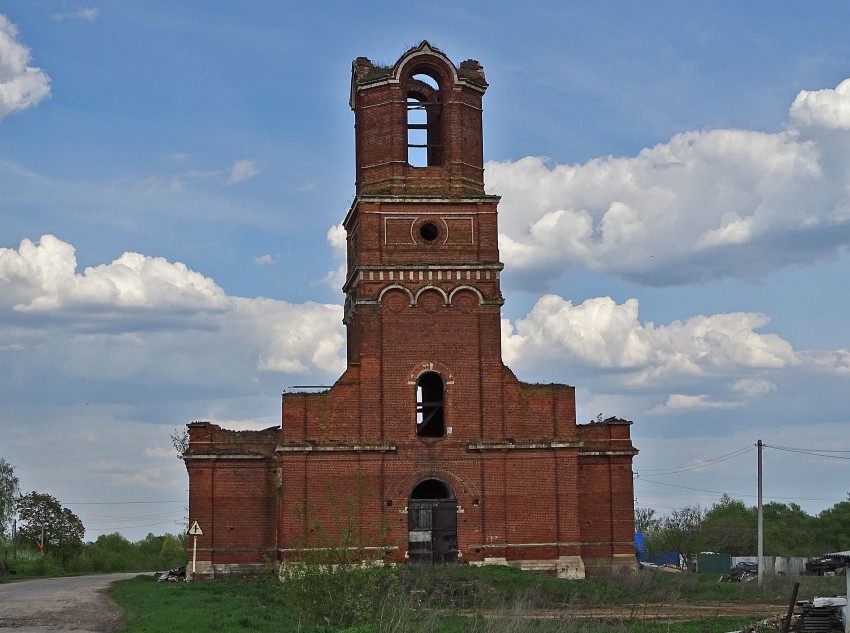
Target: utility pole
column 761, row 524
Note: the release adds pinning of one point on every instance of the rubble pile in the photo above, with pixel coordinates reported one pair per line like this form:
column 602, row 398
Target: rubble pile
column 175, row 574
column 820, row 614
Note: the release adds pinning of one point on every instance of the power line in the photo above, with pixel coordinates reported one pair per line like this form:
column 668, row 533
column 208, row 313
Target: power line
column 127, row 527
column 672, row 470
column 717, row 492
column 114, row 503
column 805, row 451
column 797, row 448
column 119, row 517
column 733, row 495
column 658, row 472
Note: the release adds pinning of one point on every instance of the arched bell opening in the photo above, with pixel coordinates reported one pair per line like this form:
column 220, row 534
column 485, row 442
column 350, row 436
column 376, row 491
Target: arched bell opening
column 424, row 121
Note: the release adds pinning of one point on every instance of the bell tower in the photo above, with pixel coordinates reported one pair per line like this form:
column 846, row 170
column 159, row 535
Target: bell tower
column 422, row 288
column 418, row 125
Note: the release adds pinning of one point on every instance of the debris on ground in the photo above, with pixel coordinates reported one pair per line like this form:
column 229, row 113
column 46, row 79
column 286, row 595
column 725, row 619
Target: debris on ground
column 175, row 574
column 667, row 567
column 820, row 614
column 768, row 624
column 741, row 575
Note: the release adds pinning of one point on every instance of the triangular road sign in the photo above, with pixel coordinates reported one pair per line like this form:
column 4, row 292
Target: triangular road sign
column 195, row 530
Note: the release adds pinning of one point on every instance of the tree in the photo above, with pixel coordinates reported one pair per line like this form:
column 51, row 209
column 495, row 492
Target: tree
column 729, row 526
column 173, row 551
column 8, row 492
column 645, row 521
column 831, row 527
column 680, row 532
column 42, row 513
column 789, row 531
column 111, row 552
column 180, row 441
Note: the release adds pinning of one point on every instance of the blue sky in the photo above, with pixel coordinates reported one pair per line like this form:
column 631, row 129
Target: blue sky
column 675, row 225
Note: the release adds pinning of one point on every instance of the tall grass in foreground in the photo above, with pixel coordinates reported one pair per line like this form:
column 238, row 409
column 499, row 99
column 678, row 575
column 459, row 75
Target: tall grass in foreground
column 459, row 599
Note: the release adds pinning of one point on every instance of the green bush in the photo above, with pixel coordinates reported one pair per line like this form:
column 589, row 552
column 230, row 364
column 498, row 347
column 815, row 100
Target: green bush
column 33, row 564
column 109, row 553
column 343, row 595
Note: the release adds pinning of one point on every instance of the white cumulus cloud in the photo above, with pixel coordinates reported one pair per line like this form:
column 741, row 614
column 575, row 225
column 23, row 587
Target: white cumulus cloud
column 21, row 86
column 42, row 276
column 704, row 205
column 145, row 318
column 602, row 335
column 829, row 108
column 338, row 241
column 679, row 403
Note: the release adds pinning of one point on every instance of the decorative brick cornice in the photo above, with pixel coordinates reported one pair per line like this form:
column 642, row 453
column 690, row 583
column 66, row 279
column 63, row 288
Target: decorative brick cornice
column 190, row 457
column 628, row 452
column 502, row 445
column 422, row 272
column 380, row 447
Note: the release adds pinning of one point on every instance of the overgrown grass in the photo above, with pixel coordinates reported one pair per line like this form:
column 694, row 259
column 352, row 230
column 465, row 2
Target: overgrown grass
column 459, row 599
column 465, row 585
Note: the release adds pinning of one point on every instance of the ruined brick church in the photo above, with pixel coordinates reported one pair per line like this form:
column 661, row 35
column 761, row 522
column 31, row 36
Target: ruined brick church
column 447, row 456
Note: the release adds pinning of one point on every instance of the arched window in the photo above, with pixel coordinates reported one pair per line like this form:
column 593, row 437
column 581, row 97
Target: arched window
column 429, row 405
column 424, row 109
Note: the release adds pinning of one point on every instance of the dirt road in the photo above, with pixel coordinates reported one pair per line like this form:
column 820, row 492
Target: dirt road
column 60, row 604
column 657, row 613
column 674, row 612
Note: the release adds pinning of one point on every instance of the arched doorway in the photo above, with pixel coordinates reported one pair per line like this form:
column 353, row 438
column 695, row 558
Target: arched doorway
column 432, row 524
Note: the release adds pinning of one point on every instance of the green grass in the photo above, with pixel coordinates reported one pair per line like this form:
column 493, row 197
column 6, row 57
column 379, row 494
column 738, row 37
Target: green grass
column 223, row 605
column 438, row 600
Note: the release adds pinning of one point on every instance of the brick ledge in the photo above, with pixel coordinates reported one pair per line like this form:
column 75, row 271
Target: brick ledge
column 332, row 448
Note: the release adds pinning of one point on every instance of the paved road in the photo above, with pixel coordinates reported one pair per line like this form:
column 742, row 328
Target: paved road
column 75, row 604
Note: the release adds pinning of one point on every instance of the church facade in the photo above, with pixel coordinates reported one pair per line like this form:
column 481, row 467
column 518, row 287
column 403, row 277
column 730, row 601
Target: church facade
column 428, row 447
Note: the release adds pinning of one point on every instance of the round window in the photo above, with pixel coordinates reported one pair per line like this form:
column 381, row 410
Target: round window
column 429, row 231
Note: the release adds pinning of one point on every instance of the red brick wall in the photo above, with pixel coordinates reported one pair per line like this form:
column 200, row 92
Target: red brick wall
column 530, row 484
